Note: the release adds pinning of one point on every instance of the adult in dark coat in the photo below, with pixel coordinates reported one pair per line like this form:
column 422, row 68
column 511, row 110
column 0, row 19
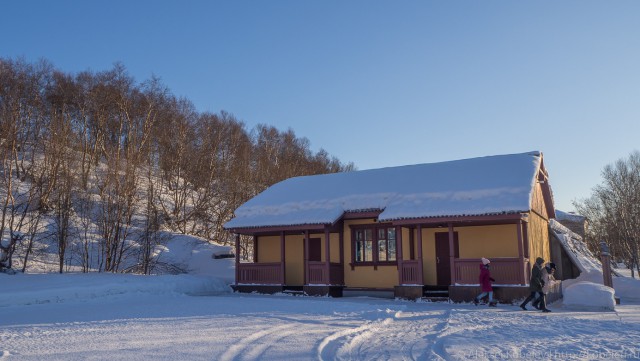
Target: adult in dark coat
column 535, row 284
column 548, row 279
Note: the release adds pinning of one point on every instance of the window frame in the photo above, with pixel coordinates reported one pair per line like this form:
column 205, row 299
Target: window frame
column 374, row 228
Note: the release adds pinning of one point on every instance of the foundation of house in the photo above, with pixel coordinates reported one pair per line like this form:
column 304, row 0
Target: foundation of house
column 323, row 290
column 412, row 292
column 266, row 289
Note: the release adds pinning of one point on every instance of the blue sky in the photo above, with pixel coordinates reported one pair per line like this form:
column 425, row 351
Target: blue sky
column 377, row 83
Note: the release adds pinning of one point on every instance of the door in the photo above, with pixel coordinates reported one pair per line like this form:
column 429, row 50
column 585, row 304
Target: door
column 315, row 250
column 443, row 264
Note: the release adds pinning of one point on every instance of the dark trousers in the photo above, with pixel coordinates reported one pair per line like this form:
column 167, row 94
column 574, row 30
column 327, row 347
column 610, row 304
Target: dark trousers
column 540, row 302
column 533, row 296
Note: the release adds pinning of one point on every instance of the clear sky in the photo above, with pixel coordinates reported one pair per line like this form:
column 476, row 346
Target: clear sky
column 376, row 83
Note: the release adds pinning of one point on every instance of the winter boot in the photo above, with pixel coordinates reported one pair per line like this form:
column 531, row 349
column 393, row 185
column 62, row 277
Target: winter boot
column 536, row 304
column 493, row 304
column 475, row 301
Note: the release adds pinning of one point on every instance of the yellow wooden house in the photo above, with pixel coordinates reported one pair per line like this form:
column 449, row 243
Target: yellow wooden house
column 412, row 230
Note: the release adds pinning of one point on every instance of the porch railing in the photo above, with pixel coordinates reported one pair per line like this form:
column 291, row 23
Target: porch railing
column 260, row 273
column 503, row 270
column 318, row 273
column 410, row 272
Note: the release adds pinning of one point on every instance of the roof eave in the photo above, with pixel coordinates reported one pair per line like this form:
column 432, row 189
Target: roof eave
column 499, row 218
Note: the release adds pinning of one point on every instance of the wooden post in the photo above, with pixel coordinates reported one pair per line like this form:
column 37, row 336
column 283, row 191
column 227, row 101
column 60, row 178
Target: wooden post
column 341, row 241
column 605, row 258
column 283, row 269
column 237, row 257
column 255, row 249
column 452, row 255
column 412, row 245
column 327, row 251
column 399, row 253
column 420, row 266
column 521, row 271
column 306, row 257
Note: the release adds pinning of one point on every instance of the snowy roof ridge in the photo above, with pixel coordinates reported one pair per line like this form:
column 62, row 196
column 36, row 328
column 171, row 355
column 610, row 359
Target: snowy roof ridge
column 499, row 184
column 574, row 217
column 558, row 226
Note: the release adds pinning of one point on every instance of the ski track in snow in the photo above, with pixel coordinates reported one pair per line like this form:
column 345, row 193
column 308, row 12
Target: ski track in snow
column 296, row 328
column 403, row 336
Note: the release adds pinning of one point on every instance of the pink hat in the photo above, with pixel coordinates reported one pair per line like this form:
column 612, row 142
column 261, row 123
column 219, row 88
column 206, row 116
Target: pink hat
column 485, row 261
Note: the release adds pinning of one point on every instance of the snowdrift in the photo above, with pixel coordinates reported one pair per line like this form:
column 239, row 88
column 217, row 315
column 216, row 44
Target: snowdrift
column 587, row 291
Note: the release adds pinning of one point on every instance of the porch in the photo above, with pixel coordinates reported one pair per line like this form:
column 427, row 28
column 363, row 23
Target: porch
column 506, row 271
column 271, row 273
column 303, row 260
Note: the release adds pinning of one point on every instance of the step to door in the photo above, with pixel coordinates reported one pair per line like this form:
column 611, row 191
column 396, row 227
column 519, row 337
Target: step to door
column 442, row 299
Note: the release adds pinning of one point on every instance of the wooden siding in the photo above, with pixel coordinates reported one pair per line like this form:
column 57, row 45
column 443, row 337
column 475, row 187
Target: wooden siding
column 269, row 249
column 538, row 231
column 294, row 260
column 538, row 204
column 488, row 241
column 365, row 276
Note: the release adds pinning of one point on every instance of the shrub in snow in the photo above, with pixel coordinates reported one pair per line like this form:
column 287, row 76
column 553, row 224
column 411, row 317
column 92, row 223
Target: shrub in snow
column 589, row 295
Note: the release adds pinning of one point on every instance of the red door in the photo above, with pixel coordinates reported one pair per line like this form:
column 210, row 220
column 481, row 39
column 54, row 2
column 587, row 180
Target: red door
column 443, row 264
column 315, row 250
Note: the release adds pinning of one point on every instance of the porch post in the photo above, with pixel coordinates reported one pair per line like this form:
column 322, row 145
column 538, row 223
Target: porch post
column 283, row 278
column 521, row 270
column 237, row 257
column 255, row 249
column 327, row 250
column 341, row 241
column 399, row 253
column 412, row 245
column 306, row 257
column 420, row 266
column 452, row 265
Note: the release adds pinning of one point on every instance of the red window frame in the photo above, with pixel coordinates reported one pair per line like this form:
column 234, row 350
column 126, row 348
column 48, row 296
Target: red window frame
column 359, row 234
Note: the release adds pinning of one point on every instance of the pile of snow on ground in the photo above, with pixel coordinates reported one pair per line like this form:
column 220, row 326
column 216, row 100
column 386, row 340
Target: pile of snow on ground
column 587, row 291
column 589, row 295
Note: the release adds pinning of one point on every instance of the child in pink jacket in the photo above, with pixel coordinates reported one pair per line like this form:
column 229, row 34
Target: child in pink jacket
column 485, row 283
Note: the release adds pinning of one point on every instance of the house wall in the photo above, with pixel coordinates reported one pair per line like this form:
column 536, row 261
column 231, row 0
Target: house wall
column 269, row 251
column 294, row 260
column 334, row 246
column 538, row 230
column 474, row 242
column 488, row 241
column 429, row 265
column 537, row 201
column 366, row 276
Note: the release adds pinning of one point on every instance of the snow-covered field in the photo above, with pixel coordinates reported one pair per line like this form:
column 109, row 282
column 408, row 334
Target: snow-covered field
column 196, row 317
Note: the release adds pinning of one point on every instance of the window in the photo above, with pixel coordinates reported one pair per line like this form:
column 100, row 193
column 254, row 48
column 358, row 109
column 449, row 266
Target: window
column 373, row 244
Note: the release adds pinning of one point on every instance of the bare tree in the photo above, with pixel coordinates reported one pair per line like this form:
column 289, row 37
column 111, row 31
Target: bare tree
column 613, row 210
column 107, row 164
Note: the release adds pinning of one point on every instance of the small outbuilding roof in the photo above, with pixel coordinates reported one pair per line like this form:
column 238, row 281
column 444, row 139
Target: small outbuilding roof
column 489, row 185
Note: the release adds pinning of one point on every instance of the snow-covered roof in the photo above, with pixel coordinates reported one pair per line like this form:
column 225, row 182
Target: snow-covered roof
column 478, row 186
column 572, row 217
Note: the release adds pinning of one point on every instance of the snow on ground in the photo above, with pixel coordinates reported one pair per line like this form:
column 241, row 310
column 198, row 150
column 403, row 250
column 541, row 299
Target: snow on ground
column 127, row 317
column 195, row 316
column 196, row 256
